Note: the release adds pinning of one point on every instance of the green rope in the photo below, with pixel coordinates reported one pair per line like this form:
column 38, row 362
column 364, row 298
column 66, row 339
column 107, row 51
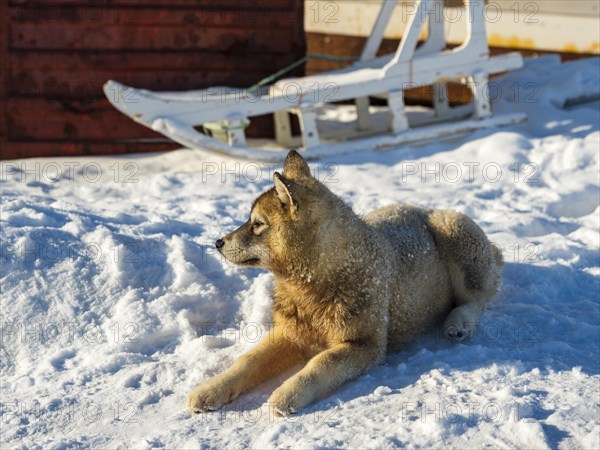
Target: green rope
column 215, row 126
column 268, row 80
column 273, row 77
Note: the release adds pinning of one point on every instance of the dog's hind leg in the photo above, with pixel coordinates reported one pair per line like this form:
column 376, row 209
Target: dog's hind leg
column 475, row 267
column 462, row 321
column 474, row 283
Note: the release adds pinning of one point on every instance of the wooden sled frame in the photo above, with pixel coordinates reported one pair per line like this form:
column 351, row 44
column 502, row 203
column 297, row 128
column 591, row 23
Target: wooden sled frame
column 224, row 112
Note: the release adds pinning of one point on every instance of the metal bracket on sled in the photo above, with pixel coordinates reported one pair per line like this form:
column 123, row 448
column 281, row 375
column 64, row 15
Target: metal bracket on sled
column 224, row 116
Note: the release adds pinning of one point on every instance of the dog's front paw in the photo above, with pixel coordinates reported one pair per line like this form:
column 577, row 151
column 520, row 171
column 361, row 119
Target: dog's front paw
column 210, row 396
column 288, row 399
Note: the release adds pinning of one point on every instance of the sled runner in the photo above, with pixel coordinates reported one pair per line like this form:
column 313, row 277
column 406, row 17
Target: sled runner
column 224, row 113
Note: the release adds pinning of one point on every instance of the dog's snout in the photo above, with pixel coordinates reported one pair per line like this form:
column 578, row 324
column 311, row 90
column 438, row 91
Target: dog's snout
column 219, row 244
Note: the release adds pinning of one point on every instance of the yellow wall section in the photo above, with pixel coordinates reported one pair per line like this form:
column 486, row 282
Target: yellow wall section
column 513, row 41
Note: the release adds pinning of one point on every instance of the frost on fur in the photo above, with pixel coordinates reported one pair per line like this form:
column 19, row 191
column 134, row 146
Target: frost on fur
column 348, row 289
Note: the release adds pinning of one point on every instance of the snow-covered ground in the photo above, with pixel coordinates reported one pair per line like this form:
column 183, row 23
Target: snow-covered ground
column 114, row 304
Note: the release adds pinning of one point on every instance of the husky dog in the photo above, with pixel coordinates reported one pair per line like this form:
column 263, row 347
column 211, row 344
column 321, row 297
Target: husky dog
column 348, row 288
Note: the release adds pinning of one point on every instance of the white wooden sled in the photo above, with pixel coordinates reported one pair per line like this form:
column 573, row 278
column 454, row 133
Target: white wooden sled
column 224, row 112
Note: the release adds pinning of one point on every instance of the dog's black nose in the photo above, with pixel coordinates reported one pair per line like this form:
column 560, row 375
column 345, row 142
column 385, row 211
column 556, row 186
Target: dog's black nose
column 219, row 244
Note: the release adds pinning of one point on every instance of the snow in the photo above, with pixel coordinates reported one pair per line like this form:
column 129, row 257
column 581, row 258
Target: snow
column 115, row 305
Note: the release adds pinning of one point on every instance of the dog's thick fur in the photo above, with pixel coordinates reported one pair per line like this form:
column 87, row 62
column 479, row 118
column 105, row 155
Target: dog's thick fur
column 347, row 289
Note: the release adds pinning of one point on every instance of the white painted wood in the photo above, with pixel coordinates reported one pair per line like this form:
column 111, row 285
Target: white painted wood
column 236, row 135
column 362, row 111
column 145, row 106
column 478, row 83
column 410, row 38
column 376, row 36
column 386, row 76
column 436, row 41
column 283, row 128
column 440, row 99
column 398, row 120
column 188, row 137
column 369, row 52
column 308, row 125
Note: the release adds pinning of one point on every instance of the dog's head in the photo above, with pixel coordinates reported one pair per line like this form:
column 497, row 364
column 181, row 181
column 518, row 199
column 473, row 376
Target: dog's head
column 283, row 220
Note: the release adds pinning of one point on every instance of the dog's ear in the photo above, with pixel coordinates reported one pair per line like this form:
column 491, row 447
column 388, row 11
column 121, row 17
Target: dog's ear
column 295, row 166
column 284, row 188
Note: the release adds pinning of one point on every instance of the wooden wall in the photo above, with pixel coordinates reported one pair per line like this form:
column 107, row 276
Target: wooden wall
column 55, row 56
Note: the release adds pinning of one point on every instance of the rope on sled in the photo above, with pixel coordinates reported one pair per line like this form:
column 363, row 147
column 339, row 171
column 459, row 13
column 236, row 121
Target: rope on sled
column 274, row 76
column 220, row 126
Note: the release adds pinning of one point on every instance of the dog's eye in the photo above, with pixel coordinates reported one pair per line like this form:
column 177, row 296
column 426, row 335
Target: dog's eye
column 257, row 227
